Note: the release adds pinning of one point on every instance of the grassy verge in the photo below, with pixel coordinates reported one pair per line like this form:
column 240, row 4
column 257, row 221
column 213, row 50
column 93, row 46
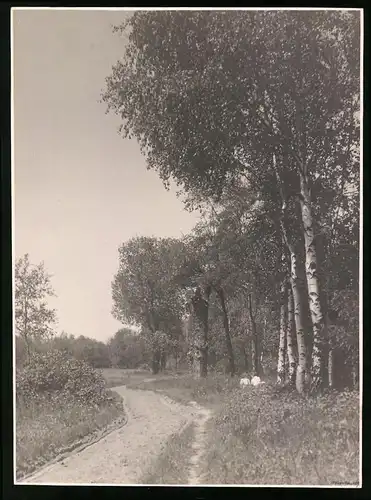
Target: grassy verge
column 263, row 436
column 171, row 467
column 52, row 425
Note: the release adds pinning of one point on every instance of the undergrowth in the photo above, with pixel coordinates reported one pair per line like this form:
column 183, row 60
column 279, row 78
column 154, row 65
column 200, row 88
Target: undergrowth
column 264, row 435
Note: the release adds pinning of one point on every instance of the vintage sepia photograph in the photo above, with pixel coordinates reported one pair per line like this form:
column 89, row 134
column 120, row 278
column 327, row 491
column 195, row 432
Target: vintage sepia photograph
column 187, row 246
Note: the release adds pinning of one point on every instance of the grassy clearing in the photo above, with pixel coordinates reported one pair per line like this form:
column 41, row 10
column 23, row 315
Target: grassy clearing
column 171, row 467
column 210, row 392
column 115, row 377
column 263, row 436
column 49, row 426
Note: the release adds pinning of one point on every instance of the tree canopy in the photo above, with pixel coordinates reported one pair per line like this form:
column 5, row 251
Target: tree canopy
column 204, row 91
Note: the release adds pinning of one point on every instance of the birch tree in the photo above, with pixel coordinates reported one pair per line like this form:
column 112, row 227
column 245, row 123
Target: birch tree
column 290, row 339
column 282, row 349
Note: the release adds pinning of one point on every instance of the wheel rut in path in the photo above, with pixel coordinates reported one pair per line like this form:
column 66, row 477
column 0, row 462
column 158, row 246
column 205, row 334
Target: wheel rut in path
column 199, row 444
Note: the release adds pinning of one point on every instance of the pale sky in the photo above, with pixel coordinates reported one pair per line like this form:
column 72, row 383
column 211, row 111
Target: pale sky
column 80, row 190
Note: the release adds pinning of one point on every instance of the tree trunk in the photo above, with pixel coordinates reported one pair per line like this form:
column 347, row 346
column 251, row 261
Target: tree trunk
column 255, row 343
column 163, row 361
column 291, row 354
column 330, row 368
column 253, row 356
column 287, row 364
column 200, row 308
column 283, row 328
column 203, row 362
column 231, row 363
column 246, row 360
column 316, row 311
column 299, row 325
column 156, row 362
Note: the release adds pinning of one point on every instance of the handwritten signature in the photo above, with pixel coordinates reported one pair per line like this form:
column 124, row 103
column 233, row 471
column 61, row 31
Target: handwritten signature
column 344, row 483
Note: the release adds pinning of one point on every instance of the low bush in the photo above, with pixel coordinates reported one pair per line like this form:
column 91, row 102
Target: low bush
column 268, row 436
column 46, row 373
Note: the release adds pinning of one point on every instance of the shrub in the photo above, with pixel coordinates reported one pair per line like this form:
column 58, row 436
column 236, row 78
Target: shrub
column 46, row 373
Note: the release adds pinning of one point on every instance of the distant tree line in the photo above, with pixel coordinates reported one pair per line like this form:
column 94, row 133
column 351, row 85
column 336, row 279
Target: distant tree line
column 35, row 326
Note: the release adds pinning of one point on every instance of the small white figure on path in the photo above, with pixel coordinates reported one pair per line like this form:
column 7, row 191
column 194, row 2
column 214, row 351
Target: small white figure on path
column 244, row 382
column 256, row 381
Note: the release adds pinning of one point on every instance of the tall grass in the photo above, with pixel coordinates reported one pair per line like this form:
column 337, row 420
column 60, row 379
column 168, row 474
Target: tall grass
column 50, row 425
column 262, row 436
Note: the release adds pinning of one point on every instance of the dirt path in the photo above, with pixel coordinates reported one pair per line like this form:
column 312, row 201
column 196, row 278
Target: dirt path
column 122, row 456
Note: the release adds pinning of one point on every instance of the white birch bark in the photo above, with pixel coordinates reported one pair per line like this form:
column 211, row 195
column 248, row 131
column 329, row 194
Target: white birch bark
column 283, row 328
column 315, row 307
column 331, row 368
column 291, row 354
column 301, row 370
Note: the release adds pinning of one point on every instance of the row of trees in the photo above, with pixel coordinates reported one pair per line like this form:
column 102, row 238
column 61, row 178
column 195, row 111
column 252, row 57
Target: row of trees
column 255, row 115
